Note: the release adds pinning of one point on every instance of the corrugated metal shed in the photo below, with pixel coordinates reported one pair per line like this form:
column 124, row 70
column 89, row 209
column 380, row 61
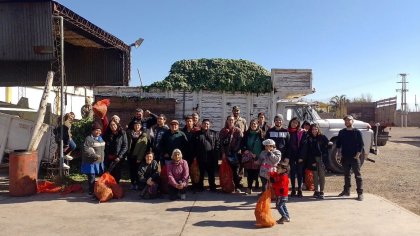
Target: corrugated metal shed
column 28, row 47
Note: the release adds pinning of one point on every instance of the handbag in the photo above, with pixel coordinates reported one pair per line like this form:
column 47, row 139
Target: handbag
column 233, row 159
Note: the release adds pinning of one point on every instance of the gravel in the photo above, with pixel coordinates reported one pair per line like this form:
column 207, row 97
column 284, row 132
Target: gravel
column 396, row 173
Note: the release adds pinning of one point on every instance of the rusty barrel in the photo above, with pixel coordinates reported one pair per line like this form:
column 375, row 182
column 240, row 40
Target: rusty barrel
column 23, row 171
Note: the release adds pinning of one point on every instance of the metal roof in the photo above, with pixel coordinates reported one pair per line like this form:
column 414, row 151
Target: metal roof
column 28, row 47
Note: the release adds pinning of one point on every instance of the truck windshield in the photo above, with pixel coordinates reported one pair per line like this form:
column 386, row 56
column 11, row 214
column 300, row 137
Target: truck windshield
column 306, row 113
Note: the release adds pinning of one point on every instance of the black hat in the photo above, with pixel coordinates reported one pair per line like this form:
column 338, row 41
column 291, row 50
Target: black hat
column 96, row 126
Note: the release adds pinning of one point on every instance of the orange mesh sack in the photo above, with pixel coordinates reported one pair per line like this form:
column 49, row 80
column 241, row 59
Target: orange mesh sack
column 309, row 180
column 226, row 177
column 195, row 172
column 102, row 192
column 262, row 211
column 107, row 179
column 101, row 107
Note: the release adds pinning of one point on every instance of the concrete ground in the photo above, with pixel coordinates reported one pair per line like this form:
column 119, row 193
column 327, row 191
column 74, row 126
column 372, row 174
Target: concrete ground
column 201, row 214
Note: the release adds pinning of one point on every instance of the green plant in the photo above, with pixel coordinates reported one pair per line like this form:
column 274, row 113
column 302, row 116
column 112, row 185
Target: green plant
column 216, row 75
column 80, row 129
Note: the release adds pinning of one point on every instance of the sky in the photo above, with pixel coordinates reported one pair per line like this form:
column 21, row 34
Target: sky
column 353, row 47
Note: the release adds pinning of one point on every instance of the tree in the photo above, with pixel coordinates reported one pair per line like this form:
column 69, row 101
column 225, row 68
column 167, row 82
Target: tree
column 338, row 105
column 363, row 98
column 217, row 75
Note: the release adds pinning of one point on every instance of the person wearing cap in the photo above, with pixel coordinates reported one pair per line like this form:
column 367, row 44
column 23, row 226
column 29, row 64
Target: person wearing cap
column 230, row 141
column 147, row 119
column 138, row 143
column 116, row 118
column 349, row 145
column 156, row 135
column 93, row 156
column 239, row 121
column 279, row 134
column 178, row 175
column 268, row 160
column 171, row 140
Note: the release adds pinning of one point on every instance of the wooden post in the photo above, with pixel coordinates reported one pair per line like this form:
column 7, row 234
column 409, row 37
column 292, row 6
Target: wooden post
column 39, row 129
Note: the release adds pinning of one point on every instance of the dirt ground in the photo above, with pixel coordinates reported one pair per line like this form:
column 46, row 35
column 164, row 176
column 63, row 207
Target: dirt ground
column 396, row 173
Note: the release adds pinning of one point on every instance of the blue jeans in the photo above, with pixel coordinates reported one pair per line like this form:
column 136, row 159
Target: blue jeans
column 281, row 206
column 72, row 147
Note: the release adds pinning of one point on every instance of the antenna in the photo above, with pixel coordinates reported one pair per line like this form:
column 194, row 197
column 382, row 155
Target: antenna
column 141, row 82
column 403, row 90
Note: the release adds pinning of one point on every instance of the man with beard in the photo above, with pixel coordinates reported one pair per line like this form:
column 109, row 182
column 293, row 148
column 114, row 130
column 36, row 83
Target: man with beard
column 280, row 135
column 349, row 148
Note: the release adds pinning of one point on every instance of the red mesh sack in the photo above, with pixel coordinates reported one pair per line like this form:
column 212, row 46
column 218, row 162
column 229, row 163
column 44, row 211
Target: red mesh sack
column 226, row 177
column 164, row 179
column 101, row 107
column 102, row 192
column 195, row 172
column 47, row 187
column 262, row 211
column 117, row 191
column 309, row 180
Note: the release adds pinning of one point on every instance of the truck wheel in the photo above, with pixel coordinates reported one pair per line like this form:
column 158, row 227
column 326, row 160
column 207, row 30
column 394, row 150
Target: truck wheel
column 334, row 163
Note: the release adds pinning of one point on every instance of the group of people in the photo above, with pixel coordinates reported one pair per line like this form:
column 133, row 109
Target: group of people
column 270, row 155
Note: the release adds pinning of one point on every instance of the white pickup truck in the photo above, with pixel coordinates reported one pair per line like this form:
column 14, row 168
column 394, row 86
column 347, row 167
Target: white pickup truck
column 329, row 127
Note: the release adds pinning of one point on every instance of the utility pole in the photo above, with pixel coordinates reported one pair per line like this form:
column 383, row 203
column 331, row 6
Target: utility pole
column 403, row 90
column 415, row 103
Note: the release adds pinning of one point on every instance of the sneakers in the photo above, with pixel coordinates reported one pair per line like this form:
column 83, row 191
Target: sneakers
column 360, row 197
column 238, row 190
column 248, row 191
column 65, row 166
column 344, row 194
column 321, row 195
column 183, row 196
column 283, row 219
column 293, row 193
column 68, row 157
column 316, row 194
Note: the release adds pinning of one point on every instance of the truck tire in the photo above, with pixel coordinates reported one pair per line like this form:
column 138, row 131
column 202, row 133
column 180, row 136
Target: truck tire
column 381, row 142
column 335, row 165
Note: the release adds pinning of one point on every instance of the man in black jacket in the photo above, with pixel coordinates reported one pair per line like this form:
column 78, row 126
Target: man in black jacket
column 280, row 135
column 349, row 147
column 207, row 151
